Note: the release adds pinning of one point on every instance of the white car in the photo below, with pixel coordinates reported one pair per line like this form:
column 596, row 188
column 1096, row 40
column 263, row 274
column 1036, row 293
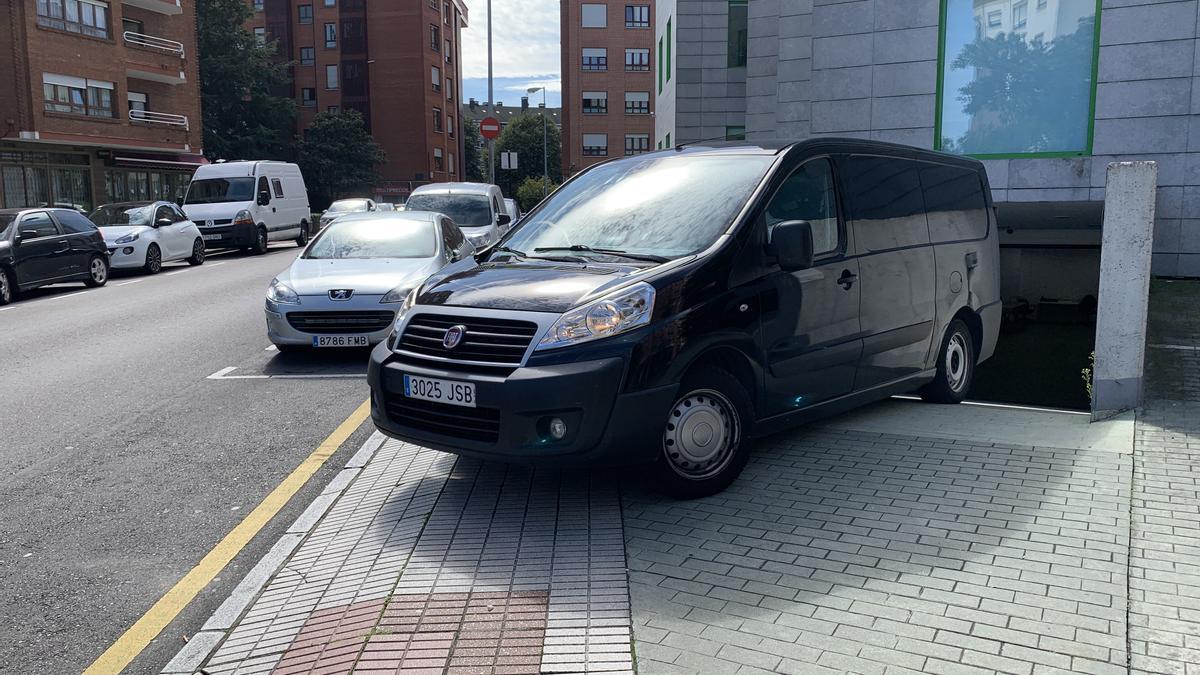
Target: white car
column 343, row 206
column 514, row 212
column 385, row 206
column 147, row 234
column 478, row 208
column 346, row 287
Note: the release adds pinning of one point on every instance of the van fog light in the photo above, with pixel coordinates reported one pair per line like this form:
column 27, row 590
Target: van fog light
column 552, row 428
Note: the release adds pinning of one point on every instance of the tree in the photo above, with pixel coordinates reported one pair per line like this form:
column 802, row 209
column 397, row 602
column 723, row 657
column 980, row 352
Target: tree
column 338, row 157
column 529, row 192
column 242, row 118
column 524, row 136
column 473, row 164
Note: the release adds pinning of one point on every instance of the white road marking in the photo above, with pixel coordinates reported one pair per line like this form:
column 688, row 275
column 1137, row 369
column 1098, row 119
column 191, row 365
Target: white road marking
column 271, row 348
column 5, row 309
column 224, row 374
column 1186, row 348
column 135, row 281
column 68, row 295
column 1007, row 406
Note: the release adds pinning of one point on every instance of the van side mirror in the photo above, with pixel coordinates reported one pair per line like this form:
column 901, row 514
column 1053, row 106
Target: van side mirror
column 792, row 245
column 264, row 198
column 503, row 219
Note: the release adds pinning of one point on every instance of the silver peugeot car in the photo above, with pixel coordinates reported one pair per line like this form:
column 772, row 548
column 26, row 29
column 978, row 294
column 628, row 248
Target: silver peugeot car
column 344, row 290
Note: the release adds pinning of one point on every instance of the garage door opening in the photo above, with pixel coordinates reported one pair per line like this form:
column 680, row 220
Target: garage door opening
column 1049, row 281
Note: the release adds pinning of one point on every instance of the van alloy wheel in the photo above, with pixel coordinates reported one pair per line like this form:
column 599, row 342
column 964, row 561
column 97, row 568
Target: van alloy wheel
column 701, row 435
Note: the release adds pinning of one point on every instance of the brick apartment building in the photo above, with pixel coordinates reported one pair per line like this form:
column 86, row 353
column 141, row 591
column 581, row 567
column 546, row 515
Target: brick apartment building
column 101, row 101
column 398, row 62
column 607, row 79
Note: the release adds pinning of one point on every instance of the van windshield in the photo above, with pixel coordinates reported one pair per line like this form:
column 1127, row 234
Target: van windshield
column 218, row 190
column 464, row 210
column 667, row 205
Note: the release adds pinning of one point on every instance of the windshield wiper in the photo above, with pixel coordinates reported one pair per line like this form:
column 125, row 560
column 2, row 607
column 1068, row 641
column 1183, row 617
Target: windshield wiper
column 648, row 257
column 521, row 254
column 513, row 251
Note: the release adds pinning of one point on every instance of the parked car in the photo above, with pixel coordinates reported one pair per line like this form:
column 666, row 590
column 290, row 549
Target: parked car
column 343, row 206
column 247, row 205
column 514, row 212
column 41, row 246
column 147, row 234
column 343, row 291
column 478, row 208
column 385, row 207
column 668, row 308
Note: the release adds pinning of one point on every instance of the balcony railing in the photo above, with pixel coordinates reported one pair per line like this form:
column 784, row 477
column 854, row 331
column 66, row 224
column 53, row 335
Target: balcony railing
column 153, row 42
column 165, row 119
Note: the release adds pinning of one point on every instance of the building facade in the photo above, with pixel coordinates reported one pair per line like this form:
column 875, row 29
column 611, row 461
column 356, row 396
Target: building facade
column 398, row 62
column 101, row 101
column 607, row 80
column 1046, row 92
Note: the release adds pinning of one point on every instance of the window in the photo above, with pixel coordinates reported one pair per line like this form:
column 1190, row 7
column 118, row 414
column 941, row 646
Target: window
column 435, row 77
column 453, row 164
column 595, row 59
column 738, row 31
column 308, row 56
column 77, row 96
column 450, row 125
column 305, row 14
column 308, row 97
column 660, row 65
column 86, row 17
column 259, row 5
column 260, row 36
column 73, row 222
column 331, row 77
column 1020, row 14
column 331, row 3
column 595, row 145
column 437, row 120
column 595, row 16
column 637, row 60
column 40, row 223
column 137, row 101
column 808, row 194
column 884, row 202
column 133, row 26
column 667, row 143
column 446, row 13
column 330, row 35
column 735, row 133
column 636, row 144
column 435, row 37
column 667, row 65
column 433, row 4
column 1005, row 94
column 333, row 110
column 637, row 103
column 439, row 162
column 277, row 186
column 449, row 52
column 954, row 203
column 637, row 16
column 449, row 89
column 595, row 102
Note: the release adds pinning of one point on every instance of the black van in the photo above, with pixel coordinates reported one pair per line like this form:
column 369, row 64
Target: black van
column 665, row 309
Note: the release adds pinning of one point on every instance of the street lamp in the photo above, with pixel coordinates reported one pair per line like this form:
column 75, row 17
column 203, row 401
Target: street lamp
column 545, row 143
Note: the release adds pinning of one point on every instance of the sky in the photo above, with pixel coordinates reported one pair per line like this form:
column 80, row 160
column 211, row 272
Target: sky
column 525, row 50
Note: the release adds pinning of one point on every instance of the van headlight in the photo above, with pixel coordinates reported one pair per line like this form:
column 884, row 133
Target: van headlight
column 409, row 302
column 243, row 217
column 611, row 315
column 282, row 294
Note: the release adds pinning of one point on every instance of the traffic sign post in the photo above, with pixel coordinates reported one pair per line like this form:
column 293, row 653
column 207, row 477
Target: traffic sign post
column 489, row 128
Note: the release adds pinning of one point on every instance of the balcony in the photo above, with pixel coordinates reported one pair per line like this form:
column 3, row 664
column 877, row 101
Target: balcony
column 159, row 119
column 153, row 42
column 168, row 7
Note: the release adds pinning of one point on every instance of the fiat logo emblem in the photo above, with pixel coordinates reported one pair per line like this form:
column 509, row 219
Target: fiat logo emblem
column 454, row 336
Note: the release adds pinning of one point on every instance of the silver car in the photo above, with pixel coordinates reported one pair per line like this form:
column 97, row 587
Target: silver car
column 346, row 206
column 344, row 290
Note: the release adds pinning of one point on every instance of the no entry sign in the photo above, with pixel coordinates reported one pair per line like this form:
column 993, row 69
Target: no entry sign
column 489, row 128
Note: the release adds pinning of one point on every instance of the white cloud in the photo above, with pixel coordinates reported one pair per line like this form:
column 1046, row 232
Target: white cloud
column 551, row 85
column 525, row 39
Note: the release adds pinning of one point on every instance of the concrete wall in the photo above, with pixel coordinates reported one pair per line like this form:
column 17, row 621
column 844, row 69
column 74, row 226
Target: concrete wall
column 868, row 68
column 664, row 101
column 708, row 96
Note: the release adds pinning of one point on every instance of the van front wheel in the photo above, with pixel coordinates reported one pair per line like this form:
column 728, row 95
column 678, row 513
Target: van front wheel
column 260, row 241
column 704, row 446
column 955, row 366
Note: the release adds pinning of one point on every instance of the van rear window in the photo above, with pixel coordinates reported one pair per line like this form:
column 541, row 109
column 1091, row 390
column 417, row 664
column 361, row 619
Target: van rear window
column 883, row 198
column 957, row 209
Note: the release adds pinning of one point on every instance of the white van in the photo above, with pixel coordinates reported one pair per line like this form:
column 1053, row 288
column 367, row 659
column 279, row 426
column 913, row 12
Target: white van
column 477, row 208
column 248, row 204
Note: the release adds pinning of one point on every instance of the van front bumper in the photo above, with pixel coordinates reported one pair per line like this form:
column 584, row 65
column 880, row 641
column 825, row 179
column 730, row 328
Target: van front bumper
column 229, row 236
column 604, row 426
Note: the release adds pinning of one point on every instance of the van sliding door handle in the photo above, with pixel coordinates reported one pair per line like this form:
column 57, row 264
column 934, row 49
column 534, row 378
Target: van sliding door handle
column 847, row 279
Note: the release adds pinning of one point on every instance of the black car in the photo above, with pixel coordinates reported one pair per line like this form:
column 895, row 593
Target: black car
column 41, row 246
column 667, row 308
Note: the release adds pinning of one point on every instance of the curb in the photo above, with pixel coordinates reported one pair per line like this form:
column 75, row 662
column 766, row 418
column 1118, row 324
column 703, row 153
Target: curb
column 201, row 645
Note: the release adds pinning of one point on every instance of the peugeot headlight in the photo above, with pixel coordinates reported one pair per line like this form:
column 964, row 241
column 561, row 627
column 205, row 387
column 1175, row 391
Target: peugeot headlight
column 282, row 294
column 611, row 315
column 397, row 294
column 127, row 239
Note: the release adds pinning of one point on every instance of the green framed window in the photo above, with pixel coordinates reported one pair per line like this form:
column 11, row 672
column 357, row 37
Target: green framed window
column 735, row 133
column 738, row 32
column 1017, row 78
column 660, row 64
column 667, row 67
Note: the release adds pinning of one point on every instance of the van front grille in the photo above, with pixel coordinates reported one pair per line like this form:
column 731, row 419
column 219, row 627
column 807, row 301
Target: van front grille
column 472, row 424
column 485, row 340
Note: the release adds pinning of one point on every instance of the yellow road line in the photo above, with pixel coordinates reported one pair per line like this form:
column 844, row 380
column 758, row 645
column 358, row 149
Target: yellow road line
column 133, row 641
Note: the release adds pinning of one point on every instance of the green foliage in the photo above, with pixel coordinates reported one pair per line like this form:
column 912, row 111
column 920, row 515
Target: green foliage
column 473, row 164
column 338, row 157
column 524, row 136
column 242, row 119
column 529, row 192
column 1087, row 374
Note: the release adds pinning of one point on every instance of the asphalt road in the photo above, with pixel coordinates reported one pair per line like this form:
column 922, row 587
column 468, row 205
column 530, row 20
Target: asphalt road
column 122, row 464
